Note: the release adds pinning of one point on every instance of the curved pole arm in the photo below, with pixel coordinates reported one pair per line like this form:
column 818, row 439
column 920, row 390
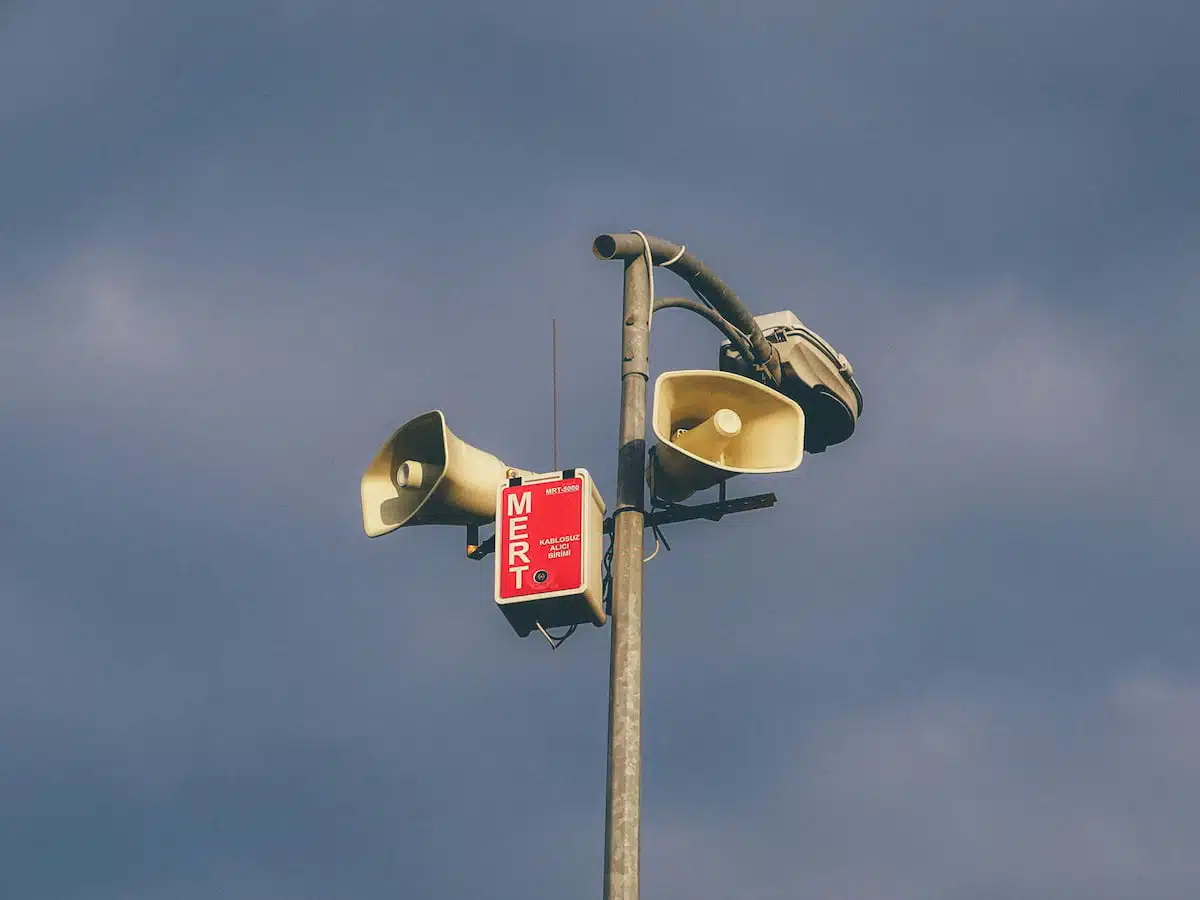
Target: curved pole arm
column 739, row 340
column 689, row 267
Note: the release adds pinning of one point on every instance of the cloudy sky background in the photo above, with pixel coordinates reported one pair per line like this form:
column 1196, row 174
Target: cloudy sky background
column 240, row 242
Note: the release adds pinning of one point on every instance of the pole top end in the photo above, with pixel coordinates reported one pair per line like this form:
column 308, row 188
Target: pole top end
column 605, row 246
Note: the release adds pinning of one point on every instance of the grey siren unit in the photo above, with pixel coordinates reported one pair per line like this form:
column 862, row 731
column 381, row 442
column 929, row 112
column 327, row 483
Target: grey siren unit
column 815, row 375
column 711, row 426
column 426, row 475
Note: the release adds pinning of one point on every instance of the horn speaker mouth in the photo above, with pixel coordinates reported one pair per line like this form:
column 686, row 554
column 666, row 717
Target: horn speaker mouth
column 426, row 475
column 711, row 426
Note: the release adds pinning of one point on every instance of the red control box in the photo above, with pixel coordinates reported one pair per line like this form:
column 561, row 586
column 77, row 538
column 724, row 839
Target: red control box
column 549, row 544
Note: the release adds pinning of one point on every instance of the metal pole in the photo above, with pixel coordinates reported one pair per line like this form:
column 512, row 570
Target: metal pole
column 622, row 821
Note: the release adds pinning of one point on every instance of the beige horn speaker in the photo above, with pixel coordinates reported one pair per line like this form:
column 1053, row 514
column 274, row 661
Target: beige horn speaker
column 711, row 426
column 426, row 475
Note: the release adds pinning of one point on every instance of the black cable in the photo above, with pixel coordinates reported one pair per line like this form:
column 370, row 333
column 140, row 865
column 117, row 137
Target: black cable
column 658, row 535
column 558, row 641
column 705, row 309
column 606, row 581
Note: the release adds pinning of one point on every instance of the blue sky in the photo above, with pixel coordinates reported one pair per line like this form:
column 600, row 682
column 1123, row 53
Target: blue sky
column 242, row 242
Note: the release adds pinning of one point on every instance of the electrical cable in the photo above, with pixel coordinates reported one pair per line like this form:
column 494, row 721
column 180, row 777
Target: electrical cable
column 659, row 536
column 607, row 579
column 648, row 255
column 646, row 252
column 676, row 258
column 657, row 547
column 740, row 342
column 555, row 641
column 660, row 542
column 743, row 345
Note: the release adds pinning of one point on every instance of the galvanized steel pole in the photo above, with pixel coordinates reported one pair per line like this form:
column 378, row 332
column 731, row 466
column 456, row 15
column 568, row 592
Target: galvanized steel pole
column 622, row 822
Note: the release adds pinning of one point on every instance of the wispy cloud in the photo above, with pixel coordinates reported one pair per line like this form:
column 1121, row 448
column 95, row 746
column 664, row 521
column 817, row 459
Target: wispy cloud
column 243, row 243
column 966, row 792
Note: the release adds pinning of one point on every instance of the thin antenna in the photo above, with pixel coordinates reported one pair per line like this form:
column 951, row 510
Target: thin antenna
column 554, row 381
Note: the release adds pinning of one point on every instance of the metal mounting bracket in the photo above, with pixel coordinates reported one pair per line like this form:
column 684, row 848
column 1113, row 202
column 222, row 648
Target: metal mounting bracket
column 713, row 512
column 677, row 512
column 476, row 549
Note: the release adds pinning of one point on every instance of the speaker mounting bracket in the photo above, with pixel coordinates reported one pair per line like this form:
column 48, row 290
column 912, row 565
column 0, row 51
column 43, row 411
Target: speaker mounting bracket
column 713, row 512
column 475, row 548
column 676, row 512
